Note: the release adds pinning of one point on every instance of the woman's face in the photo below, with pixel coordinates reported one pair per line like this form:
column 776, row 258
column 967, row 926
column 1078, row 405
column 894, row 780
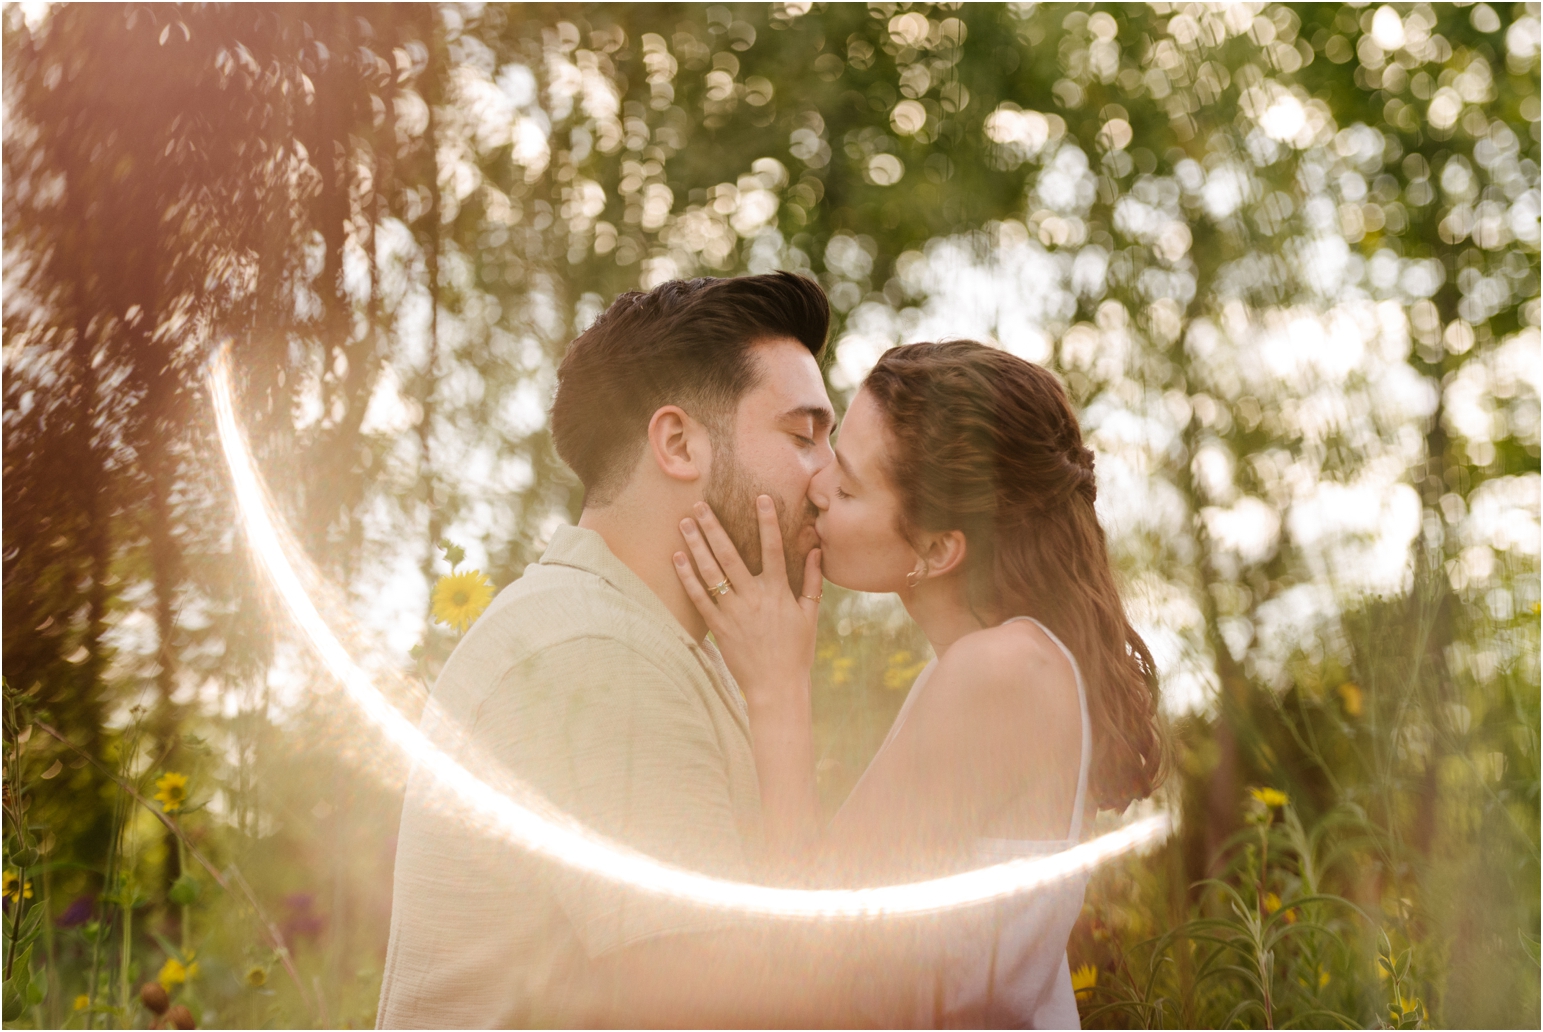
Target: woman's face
column 860, row 541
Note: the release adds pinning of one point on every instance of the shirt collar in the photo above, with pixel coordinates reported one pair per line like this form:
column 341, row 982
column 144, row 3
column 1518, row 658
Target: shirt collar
column 584, row 549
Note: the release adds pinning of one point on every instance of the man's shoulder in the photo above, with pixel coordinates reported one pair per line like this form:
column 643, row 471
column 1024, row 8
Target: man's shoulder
column 554, row 628
column 553, row 605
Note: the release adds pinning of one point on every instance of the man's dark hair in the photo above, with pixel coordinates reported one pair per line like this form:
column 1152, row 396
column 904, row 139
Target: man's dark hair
column 686, row 343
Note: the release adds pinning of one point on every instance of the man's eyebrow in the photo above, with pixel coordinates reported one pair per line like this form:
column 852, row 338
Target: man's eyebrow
column 820, row 415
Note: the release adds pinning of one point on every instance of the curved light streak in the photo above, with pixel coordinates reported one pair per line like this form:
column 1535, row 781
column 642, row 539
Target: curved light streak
column 563, row 840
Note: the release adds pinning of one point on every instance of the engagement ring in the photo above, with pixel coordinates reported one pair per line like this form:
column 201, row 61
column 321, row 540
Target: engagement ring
column 721, row 588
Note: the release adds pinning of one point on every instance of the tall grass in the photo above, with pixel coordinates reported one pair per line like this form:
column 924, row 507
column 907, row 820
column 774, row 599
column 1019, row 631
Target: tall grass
column 1393, row 882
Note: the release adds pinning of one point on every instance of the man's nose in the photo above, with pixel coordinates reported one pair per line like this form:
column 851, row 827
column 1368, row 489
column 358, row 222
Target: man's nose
column 818, row 494
column 824, row 455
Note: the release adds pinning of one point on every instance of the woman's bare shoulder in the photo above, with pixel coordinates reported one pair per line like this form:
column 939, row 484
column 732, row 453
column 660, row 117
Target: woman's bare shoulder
column 1013, row 662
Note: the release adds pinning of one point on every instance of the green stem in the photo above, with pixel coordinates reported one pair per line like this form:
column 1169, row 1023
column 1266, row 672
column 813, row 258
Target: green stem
column 122, row 810
column 19, row 822
column 126, row 905
column 21, row 895
column 48, row 949
column 187, row 927
column 1264, row 867
column 1264, row 863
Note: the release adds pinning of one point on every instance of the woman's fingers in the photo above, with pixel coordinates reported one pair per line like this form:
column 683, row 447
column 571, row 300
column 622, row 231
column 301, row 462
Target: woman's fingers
column 706, row 564
column 722, row 547
column 772, row 564
column 695, row 591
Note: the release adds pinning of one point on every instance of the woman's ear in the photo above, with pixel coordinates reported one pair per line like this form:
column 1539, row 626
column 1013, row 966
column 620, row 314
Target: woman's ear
column 944, row 552
column 678, row 444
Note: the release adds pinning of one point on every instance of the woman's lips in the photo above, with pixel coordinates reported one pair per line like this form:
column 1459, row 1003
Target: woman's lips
column 819, row 539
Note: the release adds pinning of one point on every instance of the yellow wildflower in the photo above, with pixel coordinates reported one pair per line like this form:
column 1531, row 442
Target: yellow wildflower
column 1323, row 978
column 1272, row 798
column 256, row 976
column 460, row 598
column 903, row 669
column 171, row 791
column 174, row 973
column 14, row 889
column 841, row 670
column 1350, row 696
column 82, row 1002
column 1272, row 904
column 1083, row 981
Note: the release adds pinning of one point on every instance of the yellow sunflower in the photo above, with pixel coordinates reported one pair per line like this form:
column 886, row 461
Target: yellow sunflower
column 1083, row 981
column 14, row 888
column 461, row 597
column 171, row 791
column 174, row 972
column 1272, row 798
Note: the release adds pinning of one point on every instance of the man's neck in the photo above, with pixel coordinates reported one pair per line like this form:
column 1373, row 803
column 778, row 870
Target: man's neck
column 646, row 542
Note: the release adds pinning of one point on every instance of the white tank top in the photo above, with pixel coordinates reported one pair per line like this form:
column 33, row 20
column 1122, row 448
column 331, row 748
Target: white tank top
column 1006, row 966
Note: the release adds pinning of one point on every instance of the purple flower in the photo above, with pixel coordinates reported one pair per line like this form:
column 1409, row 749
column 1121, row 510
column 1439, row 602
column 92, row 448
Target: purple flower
column 77, row 913
column 302, row 920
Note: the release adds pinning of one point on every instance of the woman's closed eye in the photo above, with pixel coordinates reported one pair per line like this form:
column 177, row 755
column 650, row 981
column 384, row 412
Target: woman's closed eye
column 840, row 493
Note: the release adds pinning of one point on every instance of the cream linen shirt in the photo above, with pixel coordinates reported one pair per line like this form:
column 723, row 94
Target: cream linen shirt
column 581, row 683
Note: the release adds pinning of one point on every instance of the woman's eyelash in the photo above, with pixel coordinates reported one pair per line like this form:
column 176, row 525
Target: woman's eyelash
column 842, row 494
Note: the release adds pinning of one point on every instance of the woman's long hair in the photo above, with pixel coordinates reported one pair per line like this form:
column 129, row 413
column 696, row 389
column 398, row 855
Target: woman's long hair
column 987, row 444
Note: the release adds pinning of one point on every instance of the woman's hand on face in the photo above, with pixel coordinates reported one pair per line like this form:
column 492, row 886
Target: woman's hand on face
column 765, row 632
column 766, row 635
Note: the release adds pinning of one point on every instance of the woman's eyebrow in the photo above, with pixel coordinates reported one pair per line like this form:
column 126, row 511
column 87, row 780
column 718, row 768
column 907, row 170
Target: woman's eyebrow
column 846, row 468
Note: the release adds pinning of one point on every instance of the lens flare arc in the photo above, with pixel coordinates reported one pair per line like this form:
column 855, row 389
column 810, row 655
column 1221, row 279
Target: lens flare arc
column 564, row 841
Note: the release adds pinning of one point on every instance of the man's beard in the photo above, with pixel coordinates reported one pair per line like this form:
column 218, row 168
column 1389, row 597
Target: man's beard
column 732, row 494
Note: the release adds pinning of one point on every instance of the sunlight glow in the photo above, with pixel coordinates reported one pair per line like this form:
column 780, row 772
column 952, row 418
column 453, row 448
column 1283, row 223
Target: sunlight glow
column 514, row 812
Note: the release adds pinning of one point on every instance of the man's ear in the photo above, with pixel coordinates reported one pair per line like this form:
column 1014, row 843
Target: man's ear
column 679, row 444
column 944, row 552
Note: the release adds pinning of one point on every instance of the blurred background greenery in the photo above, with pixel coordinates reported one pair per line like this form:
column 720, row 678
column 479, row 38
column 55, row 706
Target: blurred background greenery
column 1285, row 257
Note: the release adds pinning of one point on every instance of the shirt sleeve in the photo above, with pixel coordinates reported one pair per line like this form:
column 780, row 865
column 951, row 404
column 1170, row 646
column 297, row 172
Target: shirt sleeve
column 610, row 739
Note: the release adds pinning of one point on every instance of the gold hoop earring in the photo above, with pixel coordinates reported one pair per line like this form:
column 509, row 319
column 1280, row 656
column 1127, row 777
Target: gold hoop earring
column 915, row 576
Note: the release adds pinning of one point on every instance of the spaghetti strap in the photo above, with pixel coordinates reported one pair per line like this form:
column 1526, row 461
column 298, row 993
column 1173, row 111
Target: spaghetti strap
column 1086, row 762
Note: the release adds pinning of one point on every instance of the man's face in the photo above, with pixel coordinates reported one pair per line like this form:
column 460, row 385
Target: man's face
column 780, row 440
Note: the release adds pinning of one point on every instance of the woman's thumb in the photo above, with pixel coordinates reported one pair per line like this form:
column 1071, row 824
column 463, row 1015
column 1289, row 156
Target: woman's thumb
column 814, row 581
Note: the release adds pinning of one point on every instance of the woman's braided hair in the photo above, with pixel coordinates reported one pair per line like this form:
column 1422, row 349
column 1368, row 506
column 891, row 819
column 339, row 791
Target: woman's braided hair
column 986, row 443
